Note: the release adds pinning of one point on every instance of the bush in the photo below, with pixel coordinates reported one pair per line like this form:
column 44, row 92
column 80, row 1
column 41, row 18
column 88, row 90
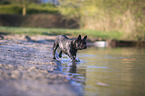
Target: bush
column 43, row 8
column 10, row 9
column 5, row 2
column 31, row 8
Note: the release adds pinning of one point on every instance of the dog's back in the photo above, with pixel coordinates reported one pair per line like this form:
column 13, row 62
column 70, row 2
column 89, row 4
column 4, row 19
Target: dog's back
column 62, row 38
column 62, row 41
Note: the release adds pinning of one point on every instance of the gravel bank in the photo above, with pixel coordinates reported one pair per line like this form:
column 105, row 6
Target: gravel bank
column 26, row 69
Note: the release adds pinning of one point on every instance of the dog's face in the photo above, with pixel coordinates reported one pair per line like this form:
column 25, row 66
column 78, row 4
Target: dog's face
column 80, row 43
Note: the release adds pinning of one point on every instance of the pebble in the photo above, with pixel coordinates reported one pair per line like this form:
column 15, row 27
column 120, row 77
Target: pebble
column 15, row 74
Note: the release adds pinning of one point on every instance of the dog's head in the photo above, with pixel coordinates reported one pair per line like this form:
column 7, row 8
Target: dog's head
column 80, row 43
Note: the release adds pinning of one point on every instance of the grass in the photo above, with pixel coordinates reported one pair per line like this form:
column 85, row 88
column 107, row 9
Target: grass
column 92, row 34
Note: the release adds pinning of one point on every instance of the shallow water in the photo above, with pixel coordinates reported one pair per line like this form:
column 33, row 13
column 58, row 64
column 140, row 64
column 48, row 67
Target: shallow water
column 108, row 71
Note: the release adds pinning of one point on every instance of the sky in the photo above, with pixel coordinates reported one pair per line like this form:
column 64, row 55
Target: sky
column 45, row 1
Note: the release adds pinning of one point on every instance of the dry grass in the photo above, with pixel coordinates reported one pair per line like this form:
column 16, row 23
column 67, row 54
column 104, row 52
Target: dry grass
column 106, row 22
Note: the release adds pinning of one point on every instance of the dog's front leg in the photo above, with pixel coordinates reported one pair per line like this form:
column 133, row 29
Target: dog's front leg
column 72, row 55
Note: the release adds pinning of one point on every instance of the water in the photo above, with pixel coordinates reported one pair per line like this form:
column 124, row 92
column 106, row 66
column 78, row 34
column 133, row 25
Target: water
column 108, row 71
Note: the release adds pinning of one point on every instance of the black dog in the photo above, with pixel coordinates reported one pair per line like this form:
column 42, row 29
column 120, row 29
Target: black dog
column 69, row 46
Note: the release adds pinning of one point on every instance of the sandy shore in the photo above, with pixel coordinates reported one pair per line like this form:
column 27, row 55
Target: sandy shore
column 26, row 68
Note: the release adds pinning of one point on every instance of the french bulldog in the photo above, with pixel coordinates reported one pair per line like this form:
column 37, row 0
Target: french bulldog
column 68, row 46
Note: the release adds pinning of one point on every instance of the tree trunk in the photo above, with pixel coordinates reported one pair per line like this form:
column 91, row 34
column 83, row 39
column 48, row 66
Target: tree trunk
column 24, row 8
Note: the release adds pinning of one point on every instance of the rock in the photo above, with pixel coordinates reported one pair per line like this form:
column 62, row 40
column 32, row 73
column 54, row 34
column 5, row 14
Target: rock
column 33, row 68
column 1, row 37
column 1, row 65
column 15, row 74
column 10, row 67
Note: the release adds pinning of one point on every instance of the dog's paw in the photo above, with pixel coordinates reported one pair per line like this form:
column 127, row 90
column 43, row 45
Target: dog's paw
column 54, row 58
column 75, row 60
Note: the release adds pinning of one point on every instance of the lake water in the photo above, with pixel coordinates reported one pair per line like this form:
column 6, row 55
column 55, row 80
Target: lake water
column 108, row 71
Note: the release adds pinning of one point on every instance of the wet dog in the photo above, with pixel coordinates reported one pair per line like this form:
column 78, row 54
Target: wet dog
column 68, row 46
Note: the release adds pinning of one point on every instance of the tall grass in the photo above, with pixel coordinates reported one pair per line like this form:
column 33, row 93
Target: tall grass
column 126, row 16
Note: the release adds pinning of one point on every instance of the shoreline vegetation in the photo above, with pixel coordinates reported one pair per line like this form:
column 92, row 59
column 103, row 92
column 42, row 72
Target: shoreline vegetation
column 92, row 34
column 50, row 34
column 121, row 20
column 126, row 16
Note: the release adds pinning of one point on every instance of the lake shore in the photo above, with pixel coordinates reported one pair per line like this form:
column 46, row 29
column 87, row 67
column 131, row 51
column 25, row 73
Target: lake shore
column 26, row 68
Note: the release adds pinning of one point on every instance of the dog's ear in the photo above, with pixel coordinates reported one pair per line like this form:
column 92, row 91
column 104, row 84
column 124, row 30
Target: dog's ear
column 79, row 38
column 85, row 37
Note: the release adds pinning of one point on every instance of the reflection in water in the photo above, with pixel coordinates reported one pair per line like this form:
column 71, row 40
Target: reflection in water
column 73, row 72
column 73, row 67
column 108, row 72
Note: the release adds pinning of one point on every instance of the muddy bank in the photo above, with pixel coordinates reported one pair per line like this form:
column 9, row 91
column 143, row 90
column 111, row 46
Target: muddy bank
column 39, row 20
column 26, row 69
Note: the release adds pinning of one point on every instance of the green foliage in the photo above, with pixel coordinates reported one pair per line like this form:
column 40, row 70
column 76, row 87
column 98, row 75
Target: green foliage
column 5, row 2
column 47, row 4
column 70, row 8
column 10, row 9
column 32, row 8
column 126, row 16
column 43, row 8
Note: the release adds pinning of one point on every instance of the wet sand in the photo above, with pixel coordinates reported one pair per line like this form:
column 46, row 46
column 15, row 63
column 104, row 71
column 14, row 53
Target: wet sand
column 26, row 68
